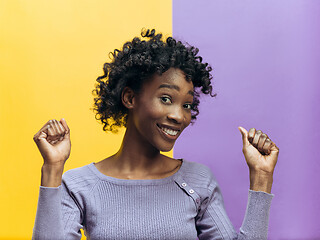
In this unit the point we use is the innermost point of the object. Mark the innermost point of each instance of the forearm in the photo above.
(48, 222)
(56, 209)
(51, 176)
(261, 181)
(256, 221)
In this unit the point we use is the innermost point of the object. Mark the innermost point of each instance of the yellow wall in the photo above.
(50, 55)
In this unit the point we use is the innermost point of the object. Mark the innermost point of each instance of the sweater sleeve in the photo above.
(58, 215)
(213, 223)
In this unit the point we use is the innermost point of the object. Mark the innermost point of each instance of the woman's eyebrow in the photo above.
(174, 87)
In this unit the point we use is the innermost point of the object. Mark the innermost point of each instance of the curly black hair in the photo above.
(139, 60)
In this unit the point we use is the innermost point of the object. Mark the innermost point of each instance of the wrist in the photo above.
(261, 181)
(51, 175)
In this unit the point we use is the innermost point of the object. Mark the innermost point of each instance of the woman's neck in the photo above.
(136, 155)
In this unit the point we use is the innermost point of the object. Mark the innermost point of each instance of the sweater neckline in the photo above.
(121, 181)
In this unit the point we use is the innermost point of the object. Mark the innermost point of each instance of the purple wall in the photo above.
(265, 56)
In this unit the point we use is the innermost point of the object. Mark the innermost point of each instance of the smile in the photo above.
(169, 132)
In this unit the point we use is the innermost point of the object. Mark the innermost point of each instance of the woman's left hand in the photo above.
(260, 152)
(261, 155)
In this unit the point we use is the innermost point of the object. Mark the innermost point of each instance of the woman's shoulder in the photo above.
(197, 168)
(80, 178)
(198, 174)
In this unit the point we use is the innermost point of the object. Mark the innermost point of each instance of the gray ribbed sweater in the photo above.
(185, 205)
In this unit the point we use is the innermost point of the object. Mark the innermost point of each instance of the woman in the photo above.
(151, 87)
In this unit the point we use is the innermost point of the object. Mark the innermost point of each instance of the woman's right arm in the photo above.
(55, 204)
(53, 141)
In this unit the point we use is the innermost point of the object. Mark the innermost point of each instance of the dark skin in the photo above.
(157, 104)
(156, 118)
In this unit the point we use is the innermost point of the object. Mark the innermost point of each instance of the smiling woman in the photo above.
(136, 64)
(162, 109)
(151, 87)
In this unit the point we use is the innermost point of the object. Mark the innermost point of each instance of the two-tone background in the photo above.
(265, 56)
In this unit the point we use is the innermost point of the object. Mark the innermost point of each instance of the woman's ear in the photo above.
(127, 97)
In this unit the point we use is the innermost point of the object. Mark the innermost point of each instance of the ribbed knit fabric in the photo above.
(185, 205)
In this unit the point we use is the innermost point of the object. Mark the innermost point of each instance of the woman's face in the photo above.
(162, 109)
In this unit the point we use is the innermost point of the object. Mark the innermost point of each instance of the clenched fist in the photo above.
(53, 141)
(261, 155)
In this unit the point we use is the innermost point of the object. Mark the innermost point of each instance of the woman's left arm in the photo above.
(261, 155)
(213, 223)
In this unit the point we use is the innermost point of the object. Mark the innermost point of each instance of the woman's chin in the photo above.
(166, 148)
(163, 145)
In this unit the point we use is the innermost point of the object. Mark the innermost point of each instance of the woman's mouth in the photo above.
(168, 132)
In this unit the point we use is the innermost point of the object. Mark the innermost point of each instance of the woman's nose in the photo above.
(176, 114)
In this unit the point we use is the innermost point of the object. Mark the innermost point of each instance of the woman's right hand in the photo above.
(53, 141)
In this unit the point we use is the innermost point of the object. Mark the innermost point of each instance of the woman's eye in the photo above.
(187, 106)
(165, 99)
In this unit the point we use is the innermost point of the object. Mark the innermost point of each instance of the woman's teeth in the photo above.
(170, 131)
